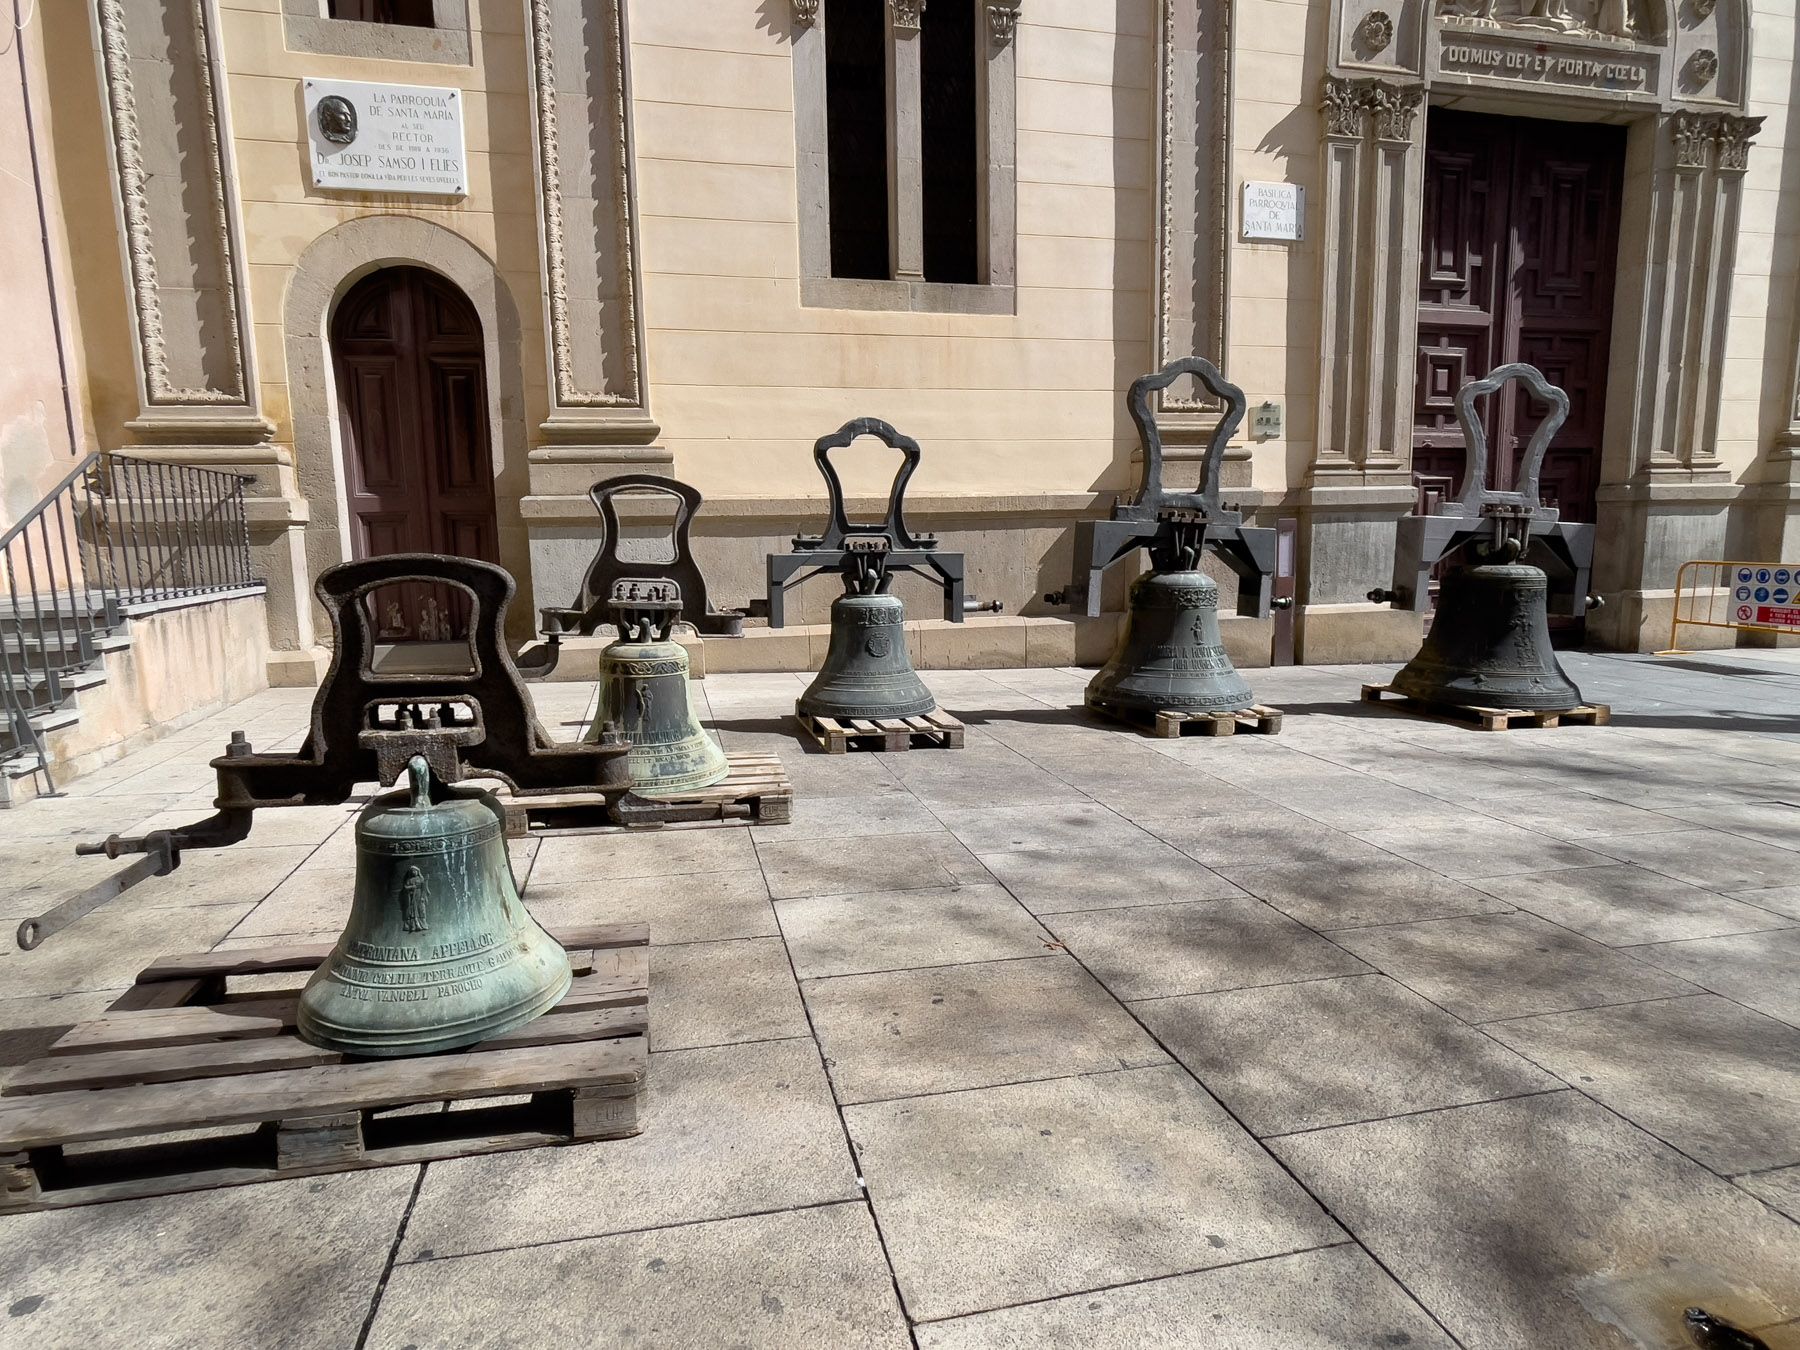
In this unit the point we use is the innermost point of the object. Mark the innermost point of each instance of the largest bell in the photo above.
(868, 671)
(439, 951)
(644, 693)
(1489, 644)
(1170, 658)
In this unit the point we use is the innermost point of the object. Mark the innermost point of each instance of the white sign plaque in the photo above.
(1273, 210)
(386, 137)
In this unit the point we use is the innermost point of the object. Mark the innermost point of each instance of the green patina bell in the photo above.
(644, 694)
(868, 670)
(440, 951)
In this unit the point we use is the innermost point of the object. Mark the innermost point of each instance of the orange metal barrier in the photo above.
(1757, 597)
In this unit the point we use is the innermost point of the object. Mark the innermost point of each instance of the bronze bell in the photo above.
(439, 951)
(868, 670)
(1170, 658)
(1489, 644)
(644, 693)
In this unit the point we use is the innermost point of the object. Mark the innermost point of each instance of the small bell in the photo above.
(1170, 657)
(644, 693)
(1489, 644)
(439, 951)
(867, 672)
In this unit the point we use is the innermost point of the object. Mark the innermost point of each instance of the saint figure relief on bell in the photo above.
(413, 916)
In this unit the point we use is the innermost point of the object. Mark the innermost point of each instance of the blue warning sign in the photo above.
(1743, 592)
(1781, 595)
(1763, 575)
(1783, 576)
(1762, 595)
(1745, 574)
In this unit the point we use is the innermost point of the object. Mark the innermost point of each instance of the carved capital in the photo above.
(1392, 108)
(806, 12)
(1734, 135)
(1693, 135)
(1003, 22)
(1342, 107)
(908, 14)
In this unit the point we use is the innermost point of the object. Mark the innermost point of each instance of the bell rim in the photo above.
(318, 1031)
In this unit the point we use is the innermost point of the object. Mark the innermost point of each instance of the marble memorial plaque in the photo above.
(386, 138)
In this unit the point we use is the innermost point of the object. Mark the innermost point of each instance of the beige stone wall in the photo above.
(37, 444)
(743, 378)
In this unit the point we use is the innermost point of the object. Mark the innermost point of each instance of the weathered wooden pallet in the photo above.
(181, 1051)
(837, 735)
(1166, 725)
(1492, 719)
(756, 790)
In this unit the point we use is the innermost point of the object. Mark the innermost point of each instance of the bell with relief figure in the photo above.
(439, 951)
(1170, 657)
(644, 694)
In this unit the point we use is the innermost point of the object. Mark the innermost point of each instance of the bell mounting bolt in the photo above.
(1177, 527)
(366, 726)
(596, 604)
(1496, 524)
(867, 554)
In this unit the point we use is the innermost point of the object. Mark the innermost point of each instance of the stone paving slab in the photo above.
(1358, 892)
(1079, 825)
(1008, 1194)
(811, 1277)
(948, 1028)
(1332, 1052)
(1327, 1299)
(1057, 880)
(1480, 847)
(1269, 837)
(732, 1130)
(1510, 1220)
(882, 863)
(1507, 965)
(1671, 1065)
(1755, 969)
(695, 907)
(1721, 862)
(286, 1263)
(1626, 905)
(1780, 1189)
(1154, 951)
(720, 993)
(896, 930)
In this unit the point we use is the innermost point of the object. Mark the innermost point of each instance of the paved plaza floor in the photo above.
(1377, 1033)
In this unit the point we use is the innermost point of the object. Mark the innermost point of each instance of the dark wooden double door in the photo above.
(1521, 229)
(413, 407)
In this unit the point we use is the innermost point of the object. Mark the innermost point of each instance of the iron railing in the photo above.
(117, 531)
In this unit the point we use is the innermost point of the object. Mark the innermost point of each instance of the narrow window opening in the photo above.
(856, 100)
(952, 180)
(406, 13)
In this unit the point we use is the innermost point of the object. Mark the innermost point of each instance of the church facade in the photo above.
(426, 270)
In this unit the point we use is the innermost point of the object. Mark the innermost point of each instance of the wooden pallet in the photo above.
(834, 736)
(181, 1051)
(756, 791)
(1492, 719)
(1166, 725)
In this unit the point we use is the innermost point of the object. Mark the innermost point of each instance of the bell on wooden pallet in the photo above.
(1489, 641)
(867, 673)
(1489, 644)
(644, 693)
(1170, 658)
(439, 951)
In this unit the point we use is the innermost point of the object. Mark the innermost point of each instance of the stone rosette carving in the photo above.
(1702, 67)
(1703, 9)
(908, 14)
(1003, 22)
(806, 13)
(1376, 32)
(1342, 107)
(160, 389)
(556, 266)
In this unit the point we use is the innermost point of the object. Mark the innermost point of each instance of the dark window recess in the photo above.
(409, 13)
(951, 143)
(856, 100)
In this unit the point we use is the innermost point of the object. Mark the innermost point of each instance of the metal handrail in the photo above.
(114, 532)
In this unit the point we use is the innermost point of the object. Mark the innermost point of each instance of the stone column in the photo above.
(999, 206)
(1665, 497)
(906, 171)
(599, 421)
(1360, 482)
(169, 133)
